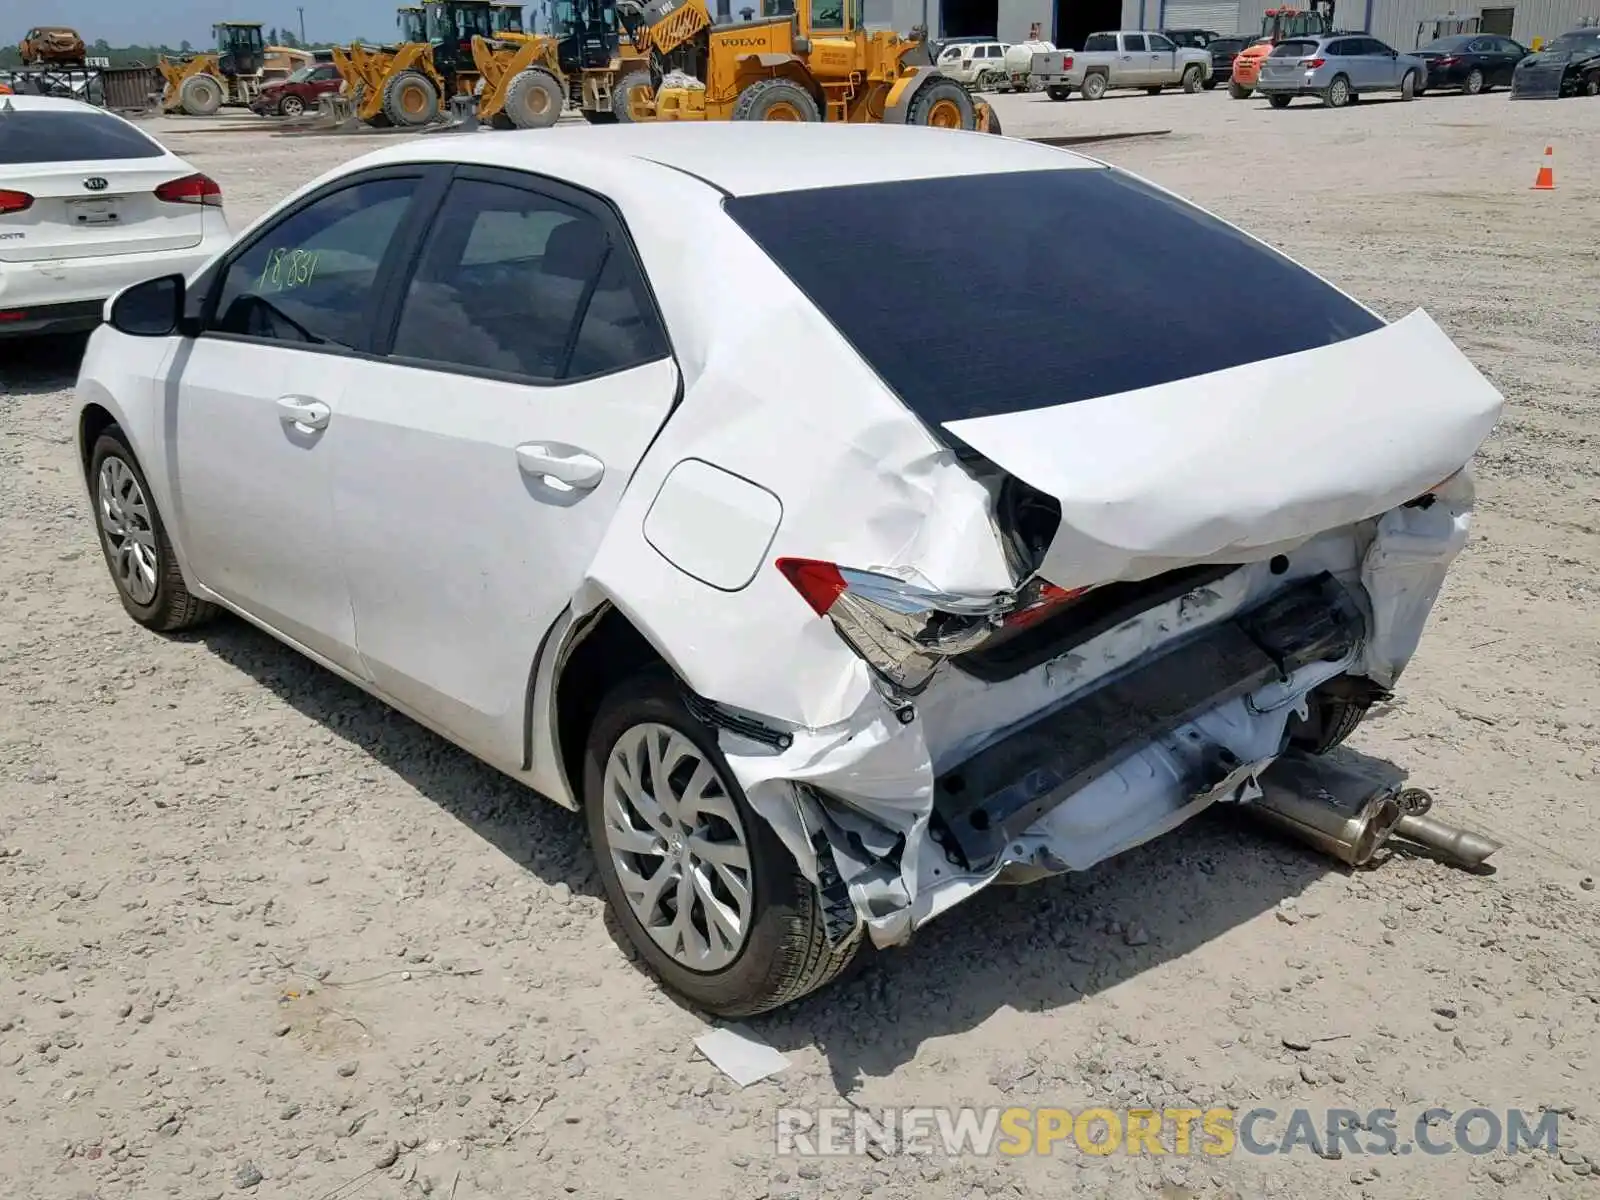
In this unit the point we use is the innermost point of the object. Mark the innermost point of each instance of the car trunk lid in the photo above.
(1228, 465)
(91, 209)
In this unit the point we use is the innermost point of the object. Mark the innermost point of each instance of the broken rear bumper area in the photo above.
(983, 803)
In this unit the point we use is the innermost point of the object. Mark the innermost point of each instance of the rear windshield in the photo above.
(1293, 49)
(1225, 45)
(36, 136)
(990, 294)
(1446, 45)
(1100, 41)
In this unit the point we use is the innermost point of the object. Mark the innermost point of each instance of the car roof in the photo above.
(750, 158)
(56, 103)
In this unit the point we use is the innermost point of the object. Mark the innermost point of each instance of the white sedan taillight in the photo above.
(905, 631)
(191, 189)
(11, 202)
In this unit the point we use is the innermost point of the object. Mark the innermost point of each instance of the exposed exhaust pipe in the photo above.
(1460, 846)
(1349, 813)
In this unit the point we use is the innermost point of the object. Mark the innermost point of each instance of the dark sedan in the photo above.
(1223, 51)
(1568, 66)
(1473, 62)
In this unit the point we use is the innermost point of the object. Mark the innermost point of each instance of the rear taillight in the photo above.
(11, 202)
(1043, 601)
(1066, 62)
(191, 189)
(1311, 64)
(902, 630)
(1448, 60)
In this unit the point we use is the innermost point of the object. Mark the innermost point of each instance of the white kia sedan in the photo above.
(842, 523)
(89, 203)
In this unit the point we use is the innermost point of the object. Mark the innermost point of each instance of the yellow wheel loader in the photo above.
(801, 60)
(409, 85)
(523, 84)
(229, 75)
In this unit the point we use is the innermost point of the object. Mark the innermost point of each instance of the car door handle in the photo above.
(304, 411)
(571, 466)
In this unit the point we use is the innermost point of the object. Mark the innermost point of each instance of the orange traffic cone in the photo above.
(1546, 179)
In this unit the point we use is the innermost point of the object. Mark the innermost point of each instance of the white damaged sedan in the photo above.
(840, 522)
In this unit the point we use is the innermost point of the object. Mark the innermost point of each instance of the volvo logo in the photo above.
(96, 184)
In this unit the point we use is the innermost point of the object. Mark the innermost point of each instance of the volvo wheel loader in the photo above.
(229, 75)
(800, 60)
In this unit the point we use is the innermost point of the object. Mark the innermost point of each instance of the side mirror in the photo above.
(153, 308)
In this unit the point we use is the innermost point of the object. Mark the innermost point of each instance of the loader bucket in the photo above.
(335, 113)
(463, 117)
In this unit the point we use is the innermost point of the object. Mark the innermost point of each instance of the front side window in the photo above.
(1157, 42)
(513, 282)
(310, 279)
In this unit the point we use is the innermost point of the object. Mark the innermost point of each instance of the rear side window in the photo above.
(1072, 284)
(56, 136)
(514, 282)
(1133, 41)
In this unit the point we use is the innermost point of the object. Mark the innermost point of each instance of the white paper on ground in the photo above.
(738, 1053)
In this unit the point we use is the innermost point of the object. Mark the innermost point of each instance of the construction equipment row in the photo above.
(610, 60)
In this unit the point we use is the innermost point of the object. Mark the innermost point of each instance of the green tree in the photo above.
(184, 47)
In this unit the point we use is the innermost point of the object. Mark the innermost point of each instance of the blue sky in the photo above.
(124, 22)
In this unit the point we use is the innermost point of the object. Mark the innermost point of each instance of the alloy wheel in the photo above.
(129, 534)
(679, 847)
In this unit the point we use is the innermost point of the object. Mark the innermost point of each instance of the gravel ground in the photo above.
(262, 936)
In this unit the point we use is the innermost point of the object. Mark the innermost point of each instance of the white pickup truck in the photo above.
(1125, 59)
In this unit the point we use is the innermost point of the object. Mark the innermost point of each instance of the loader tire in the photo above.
(410, 100)
(358, 98)
(534, 99)
(777, 100)
(631, 89)
(942, 104)
(200, 96)
(1238, 91)
(595, 117)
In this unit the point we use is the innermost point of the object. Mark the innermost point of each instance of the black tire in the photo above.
(1152, 91)
(1238, 91)
(534, 99)
(786, 953)
(1473, 83)
(596, 117)
(621, 108)
(1408, 86)
(1193, 80)
(410, 100)
(1209, 84)
(1279, 101)
(776, 100)
(1333, 711)
(172, 607)
(291, 106)
(1058, 93)
(200, 96)
(1591, 86)
(1337, 94)
(1094, 85)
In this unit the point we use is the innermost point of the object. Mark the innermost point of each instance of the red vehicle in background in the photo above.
(296, 95)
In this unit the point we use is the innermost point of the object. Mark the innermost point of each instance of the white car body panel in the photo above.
(438, 528)
(460, 580)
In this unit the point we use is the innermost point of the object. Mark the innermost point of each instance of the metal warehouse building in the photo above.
(1068, 22)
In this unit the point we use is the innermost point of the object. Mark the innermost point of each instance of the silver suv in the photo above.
(1338, 69)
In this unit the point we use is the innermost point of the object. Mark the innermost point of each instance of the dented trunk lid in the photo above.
(1231, 464)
